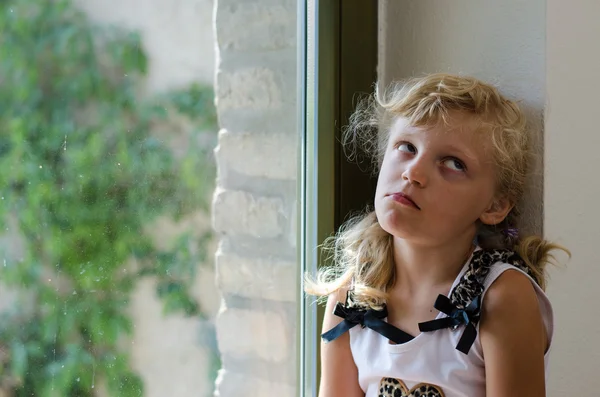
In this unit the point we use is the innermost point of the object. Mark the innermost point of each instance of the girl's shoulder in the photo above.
(487, 271)
(515, 332)
(481, 271)
(514, 308)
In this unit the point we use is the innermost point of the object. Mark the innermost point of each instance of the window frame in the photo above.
(337, 61)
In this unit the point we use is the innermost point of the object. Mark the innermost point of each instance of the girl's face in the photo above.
(436, 182)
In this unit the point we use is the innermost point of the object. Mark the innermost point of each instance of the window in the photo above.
(340, 62)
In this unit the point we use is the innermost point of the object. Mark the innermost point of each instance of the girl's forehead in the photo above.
(454, 129)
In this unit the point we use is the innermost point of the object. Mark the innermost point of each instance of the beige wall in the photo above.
(572, 188)
(177, 34)
(545, 52)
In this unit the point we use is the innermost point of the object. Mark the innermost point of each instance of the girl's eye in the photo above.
(407, 147)
(455, 165)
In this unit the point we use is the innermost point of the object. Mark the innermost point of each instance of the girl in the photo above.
(436, 293)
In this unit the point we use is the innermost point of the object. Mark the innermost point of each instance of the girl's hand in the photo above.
(513, 338)
(339, 375)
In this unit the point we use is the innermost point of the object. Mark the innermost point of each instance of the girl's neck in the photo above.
(419, 266)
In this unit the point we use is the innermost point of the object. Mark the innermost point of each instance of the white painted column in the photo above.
(572, 190)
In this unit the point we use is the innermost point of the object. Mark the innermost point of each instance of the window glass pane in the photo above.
(308, 314)
(137, 260)
(318, 167)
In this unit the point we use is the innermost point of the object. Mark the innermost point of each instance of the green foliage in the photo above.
(83, 176)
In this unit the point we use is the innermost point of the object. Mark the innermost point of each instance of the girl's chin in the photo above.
(399, 229)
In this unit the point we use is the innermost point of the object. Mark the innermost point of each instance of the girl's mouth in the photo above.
(404, 199)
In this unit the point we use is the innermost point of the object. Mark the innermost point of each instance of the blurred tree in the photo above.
(81, 177)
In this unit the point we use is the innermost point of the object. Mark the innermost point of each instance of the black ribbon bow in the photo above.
(370, 318)
(457, 316)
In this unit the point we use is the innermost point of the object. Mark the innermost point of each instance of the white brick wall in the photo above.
(233, 384)
(277, 159)
(266, 26)
(250, 88)
(254, 203)
(262, 277)
(237, 212)
(248, 333)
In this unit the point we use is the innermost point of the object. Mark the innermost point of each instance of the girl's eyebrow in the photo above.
(458, 150)
(414, 132)
(469, 154)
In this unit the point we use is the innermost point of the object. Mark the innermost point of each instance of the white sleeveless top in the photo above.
(430, 361)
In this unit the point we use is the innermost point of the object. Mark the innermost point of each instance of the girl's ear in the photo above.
(497, 211)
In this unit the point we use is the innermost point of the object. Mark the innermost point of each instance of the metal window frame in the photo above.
(337, 54)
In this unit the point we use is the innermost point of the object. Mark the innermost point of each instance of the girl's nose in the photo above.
(416, 173)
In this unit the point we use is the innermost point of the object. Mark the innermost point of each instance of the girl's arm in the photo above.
(339, 375)
(513, 338)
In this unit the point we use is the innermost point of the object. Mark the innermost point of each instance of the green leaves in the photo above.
(126, 51)
(196, 102)
(86, 166)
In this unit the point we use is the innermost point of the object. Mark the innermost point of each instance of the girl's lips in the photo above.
(404, 199)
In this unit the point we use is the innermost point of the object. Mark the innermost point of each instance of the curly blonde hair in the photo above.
(361, 251)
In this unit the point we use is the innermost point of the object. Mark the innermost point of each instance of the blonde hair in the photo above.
(361, 251)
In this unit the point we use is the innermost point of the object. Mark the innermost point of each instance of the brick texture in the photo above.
(254, 206)
(236, 212)
(262, 278)
(256, 26)
(273, 155)
(254, 333)
(235, 384)
(249, 88)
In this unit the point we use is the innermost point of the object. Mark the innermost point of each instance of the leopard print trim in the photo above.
(390, 387)
(471, 284)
